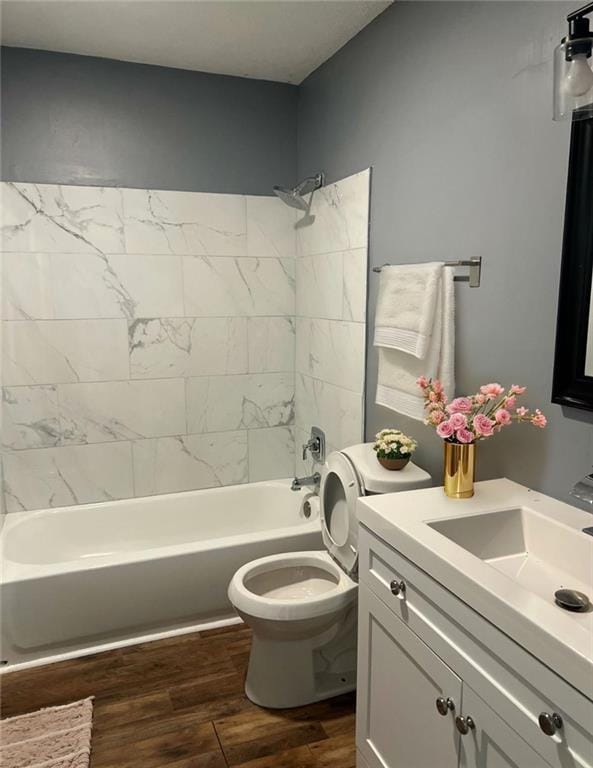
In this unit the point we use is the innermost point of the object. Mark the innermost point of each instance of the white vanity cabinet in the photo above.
(398, 724)
(441, 687)
(491, 743)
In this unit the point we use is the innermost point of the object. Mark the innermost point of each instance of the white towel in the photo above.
(398, 371)
(406, 303)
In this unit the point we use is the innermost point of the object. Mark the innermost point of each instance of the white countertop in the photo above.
(562, 640)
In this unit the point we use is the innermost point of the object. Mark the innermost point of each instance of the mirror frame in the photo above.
(570, 385)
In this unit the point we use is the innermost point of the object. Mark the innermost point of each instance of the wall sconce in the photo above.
(573, 76)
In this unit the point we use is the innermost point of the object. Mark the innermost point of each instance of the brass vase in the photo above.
(460, 470)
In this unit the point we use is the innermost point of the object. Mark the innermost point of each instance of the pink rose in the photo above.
(491, 390)
(517, 390)
(422, 382)
(480, 399)
(437, 386)
(464, 436)
(510, 402)
(445, 429)
(539, 420)
(458, 421)
(460, 405)
(483, 425)
(522, 412)
(436, 417)
(502, 416)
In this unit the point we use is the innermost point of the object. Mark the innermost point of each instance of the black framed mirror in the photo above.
(573, 364)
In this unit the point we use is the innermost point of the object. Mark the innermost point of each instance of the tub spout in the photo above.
(299, 482)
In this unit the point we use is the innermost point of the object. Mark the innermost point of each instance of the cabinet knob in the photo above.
(550, 723)
(445, 705)
(464, 724)
(397, 587)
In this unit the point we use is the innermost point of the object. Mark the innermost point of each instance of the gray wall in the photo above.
(81, 120)
(450, 103)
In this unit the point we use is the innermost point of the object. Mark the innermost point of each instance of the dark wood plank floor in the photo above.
(180, 703)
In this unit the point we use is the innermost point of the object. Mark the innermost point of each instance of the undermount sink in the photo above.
(537, 552)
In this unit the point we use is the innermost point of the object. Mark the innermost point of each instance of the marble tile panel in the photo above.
(320, 290)
(271, 453)
(191, 462)
(337, 411)
(271, 344)
(57, 477)
(130, 286)
(173, 347)
(218, 403)
(184, 223)
(215, 287)
(332, 350)
(355, 285)
(270, 228)
(338, 218)
(30, 417)
(58, 351)
(121, 410)
(52, 218)
(26, 286)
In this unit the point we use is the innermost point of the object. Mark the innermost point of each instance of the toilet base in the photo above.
(292, 673)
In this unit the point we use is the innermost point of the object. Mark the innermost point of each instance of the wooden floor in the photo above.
(180, 703)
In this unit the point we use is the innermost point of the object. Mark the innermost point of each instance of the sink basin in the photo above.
(505, 552)
(536, 551)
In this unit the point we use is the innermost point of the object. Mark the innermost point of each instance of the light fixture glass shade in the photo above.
(573, 80)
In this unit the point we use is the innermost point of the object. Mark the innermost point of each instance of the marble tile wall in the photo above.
(148, 342)
(331, 299)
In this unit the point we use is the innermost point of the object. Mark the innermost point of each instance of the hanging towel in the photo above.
(406, 304)
(398, 371)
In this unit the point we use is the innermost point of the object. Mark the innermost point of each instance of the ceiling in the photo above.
(282, 40)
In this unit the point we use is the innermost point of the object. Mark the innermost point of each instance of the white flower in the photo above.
(394, 442)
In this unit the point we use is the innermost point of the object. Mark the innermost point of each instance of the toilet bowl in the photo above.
(302, 606)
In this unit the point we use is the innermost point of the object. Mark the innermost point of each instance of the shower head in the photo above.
(295, 197)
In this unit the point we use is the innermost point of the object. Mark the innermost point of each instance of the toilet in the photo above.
(302, 606)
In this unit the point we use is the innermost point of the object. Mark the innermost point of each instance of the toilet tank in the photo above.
(376, 479)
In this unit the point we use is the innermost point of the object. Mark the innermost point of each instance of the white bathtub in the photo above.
(81, 579)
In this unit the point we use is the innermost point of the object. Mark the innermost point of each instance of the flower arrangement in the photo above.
(475, 417)
(393, 448)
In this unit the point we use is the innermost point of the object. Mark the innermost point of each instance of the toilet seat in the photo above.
(304, 585)
(322, 598)
(301, 606)
(340, 488)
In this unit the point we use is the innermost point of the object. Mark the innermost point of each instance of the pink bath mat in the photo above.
(56, 737)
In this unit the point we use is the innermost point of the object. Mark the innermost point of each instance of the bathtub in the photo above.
(78, 580)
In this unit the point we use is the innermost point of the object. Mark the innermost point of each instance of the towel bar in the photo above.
(475, 270)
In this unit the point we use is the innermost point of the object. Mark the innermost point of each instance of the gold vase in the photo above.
(460, 470)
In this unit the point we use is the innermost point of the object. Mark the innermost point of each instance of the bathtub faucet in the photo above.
(299, 482)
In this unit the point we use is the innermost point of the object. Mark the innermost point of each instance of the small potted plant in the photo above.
(393, 448)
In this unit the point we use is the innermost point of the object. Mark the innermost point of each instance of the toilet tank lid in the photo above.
(377, 479)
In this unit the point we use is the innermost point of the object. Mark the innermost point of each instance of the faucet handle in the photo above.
(315, 445)
(583, 490)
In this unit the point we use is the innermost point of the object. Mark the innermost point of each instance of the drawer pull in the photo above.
(444, 706)
(397, 587)
(550, 723)
(464, 724)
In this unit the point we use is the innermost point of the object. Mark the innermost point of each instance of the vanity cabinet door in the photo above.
(399, 681)
(491, 743)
